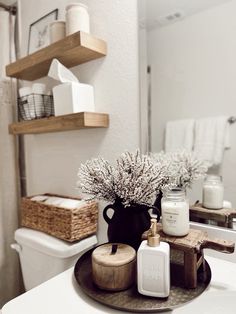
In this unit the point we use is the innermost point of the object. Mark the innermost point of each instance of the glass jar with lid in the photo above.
(77, 18)
(175, 212)
(213, 192)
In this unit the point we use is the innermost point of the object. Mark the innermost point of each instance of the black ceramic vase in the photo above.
(127, 224)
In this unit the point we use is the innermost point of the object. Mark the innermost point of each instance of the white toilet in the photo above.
(43, 256)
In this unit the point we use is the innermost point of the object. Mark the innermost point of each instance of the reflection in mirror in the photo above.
(188, 74)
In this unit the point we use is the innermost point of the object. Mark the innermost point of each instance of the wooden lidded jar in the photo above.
(114, 266)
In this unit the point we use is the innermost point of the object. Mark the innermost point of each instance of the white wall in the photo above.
(52, 160)
(194, 75)
(143, 84)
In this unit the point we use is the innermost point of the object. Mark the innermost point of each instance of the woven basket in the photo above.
(67, 224)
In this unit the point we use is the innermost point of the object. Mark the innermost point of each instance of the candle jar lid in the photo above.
(123, 254)
(71, 5)
(58, 22)
(174, 194)
(213, 179)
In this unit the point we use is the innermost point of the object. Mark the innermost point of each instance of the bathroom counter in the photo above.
(61, 295)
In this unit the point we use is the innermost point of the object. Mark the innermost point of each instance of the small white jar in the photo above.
(175, 213)
(57, 30)
(213, 192)
(77, 18)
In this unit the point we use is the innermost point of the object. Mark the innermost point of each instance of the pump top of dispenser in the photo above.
(153, 236)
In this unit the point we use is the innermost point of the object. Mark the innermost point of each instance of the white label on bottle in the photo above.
(153, 274)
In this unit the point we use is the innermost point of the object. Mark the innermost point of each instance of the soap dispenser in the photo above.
(153, 265)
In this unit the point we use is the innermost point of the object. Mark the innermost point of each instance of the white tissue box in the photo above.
(73, 97)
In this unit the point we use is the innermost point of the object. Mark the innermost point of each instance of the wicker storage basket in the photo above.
(67, 224)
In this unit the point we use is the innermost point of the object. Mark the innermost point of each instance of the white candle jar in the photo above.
(175, 212)
(77, 18)
(213, 192)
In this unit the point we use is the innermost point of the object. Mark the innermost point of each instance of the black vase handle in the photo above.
(105, 216)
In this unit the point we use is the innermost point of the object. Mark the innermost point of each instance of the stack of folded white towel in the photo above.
(59, 201)
(207, 137)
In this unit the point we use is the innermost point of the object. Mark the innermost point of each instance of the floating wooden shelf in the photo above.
(81, 120)
(72, 50)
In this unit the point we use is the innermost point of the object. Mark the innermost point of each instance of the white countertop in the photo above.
(62, 295)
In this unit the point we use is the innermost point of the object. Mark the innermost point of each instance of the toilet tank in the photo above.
(43, 256)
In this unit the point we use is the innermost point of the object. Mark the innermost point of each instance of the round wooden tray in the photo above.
(130, 300)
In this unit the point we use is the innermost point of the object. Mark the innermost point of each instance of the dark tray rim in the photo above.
(91, 294)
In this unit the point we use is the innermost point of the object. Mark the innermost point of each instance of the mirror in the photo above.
(188, 71)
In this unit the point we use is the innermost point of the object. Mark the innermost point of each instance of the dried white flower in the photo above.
(96, 177)
(181, 168)
(135, 179)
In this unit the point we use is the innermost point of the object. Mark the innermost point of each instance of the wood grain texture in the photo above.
(223, 217)
(72, 50)
(190, 270)
(75, 121)
(103, 255)
(114, 272)
(194, 241)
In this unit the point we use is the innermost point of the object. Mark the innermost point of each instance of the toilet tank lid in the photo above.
(52, 246)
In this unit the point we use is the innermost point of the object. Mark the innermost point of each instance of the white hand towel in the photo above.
(72, 204)
(39, 198)
(211, 139)
(179, 135)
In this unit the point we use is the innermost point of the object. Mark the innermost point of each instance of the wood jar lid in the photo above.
(103, 254)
